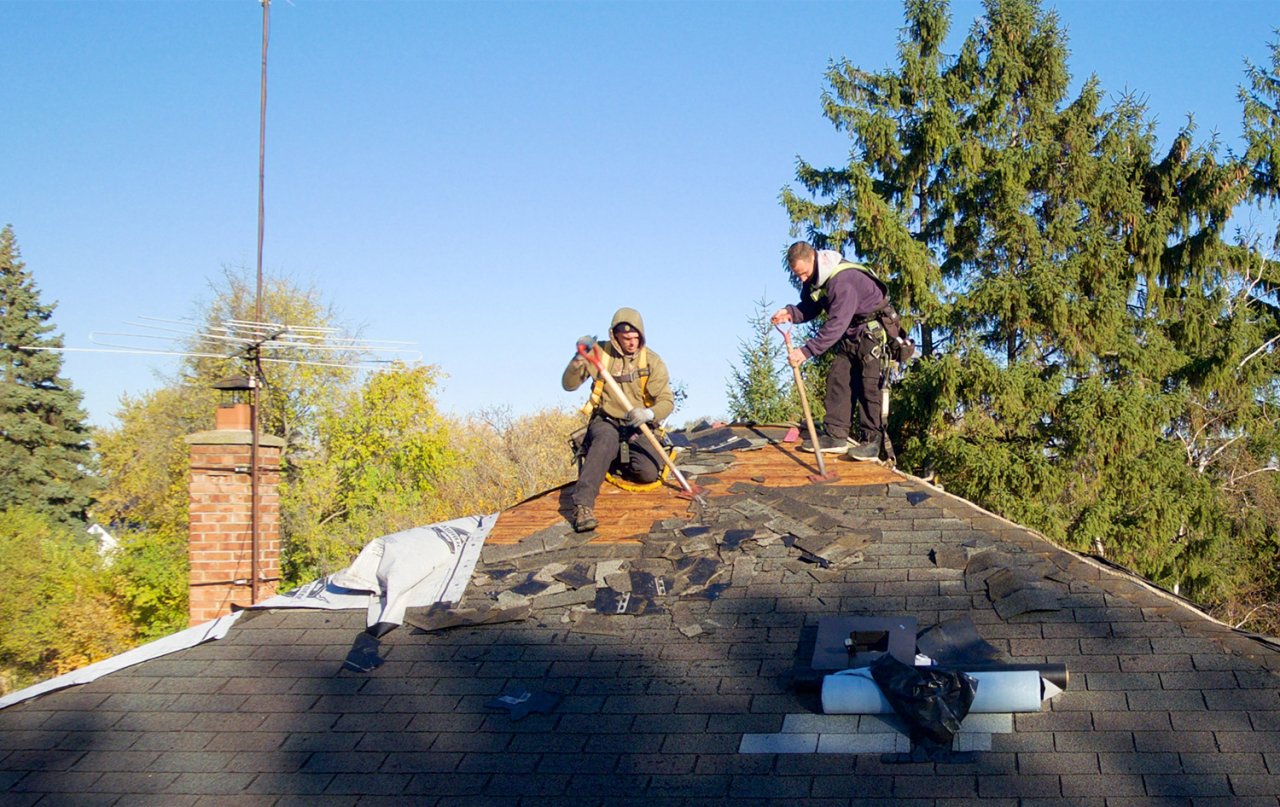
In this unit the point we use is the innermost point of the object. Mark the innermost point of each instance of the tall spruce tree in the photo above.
(44, 443)
(890, 205)
(1106, 364)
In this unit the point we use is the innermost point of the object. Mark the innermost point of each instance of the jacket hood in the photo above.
(828, 260)
(631, 317)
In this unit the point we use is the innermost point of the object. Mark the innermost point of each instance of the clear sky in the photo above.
(489, 180)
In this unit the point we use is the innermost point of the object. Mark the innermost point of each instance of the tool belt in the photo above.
(898, 347)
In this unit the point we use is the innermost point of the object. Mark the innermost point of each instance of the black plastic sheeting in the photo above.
(957, 642)
(363, 656)
(930, 701)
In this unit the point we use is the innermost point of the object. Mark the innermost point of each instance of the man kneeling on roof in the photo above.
(613, 440)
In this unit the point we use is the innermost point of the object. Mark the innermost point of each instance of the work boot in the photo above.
(826, 444)
(583, 519)
(865, 452)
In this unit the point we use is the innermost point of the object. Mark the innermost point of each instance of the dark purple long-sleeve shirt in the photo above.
(849, 294)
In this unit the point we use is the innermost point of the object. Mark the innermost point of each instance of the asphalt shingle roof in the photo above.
(694, 694)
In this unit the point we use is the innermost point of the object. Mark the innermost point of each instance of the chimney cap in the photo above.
(235, 383)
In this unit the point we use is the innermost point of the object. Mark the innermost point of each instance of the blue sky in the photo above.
(489, 180)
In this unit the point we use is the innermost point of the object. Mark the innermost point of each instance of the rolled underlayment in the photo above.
(853, 692)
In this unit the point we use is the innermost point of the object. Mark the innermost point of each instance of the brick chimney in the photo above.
(220, 538)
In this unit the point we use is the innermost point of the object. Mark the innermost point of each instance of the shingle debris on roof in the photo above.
(667, 647)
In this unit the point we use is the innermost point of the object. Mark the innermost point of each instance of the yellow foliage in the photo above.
(506, 460)
(293, 393)
(58, 613)
(383, 451)
(387, 441)
(392, 463)
(90, 628)
(144, 460)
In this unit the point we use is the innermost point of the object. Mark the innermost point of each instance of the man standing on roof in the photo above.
(851, 297)
(613, 440)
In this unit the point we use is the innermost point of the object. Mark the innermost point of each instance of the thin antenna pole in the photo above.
(254, 526)
(262, 154)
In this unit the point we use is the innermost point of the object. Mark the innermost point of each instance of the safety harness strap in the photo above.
(641, 372)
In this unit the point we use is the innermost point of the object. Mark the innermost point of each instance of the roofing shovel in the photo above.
(823, 475)
(689, 492)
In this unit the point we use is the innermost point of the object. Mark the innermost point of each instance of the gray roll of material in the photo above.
(1007, 691)
(853, 692)
(1053, 673)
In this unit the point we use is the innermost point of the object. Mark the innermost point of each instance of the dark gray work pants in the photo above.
(603, 440)
(856, 378)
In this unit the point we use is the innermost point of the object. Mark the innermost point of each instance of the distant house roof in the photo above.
(669, 658)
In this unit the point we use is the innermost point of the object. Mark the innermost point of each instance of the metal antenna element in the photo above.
(270, 342)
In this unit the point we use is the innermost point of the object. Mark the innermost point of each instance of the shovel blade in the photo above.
(693, 493)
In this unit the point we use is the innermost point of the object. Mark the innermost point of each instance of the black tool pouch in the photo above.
(900, 347)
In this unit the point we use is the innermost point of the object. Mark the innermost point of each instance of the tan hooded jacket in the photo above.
(625, 370)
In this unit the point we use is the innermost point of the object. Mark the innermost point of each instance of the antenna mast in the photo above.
(256, 343)
(256, 378)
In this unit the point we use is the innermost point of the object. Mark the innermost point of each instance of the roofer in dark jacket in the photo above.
(613, 440)
(850, 296)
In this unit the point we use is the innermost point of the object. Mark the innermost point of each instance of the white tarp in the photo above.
(172, 643)
(410, 569)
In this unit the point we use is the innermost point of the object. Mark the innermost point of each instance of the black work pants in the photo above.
(603, 441)
(856, 379)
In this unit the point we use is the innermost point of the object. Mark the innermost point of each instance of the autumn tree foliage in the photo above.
(1099, 342)
(381, 452)
(366, 454)
(59, 611)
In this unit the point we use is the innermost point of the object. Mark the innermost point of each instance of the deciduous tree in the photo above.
(383, 450)
(59, 611)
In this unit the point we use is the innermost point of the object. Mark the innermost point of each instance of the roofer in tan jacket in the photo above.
(613, 440)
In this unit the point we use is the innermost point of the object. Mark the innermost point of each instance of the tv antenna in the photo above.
(255, 342)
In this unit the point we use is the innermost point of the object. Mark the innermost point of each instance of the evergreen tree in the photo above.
(891, 204)
(1105, 365)
(757, 390)
(44, 443)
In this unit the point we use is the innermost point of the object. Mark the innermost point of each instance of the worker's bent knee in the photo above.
(645, 474)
